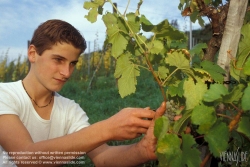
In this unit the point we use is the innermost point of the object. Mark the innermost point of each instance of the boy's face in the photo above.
(54, 67)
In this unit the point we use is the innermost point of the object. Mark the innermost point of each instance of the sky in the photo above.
(19, 19)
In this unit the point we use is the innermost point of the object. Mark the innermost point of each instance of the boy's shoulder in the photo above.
(10, 85)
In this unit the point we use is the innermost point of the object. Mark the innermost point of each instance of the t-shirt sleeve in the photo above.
(8, 104)
(78, 118)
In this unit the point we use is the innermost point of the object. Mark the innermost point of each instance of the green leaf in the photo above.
(246, 67)
(234, 95)
(244, 126)
(217, 138)
(191, 155)
(215, 93)
(127, 72)
(168, 150)
(194, 16)
(133, 22)
(173, 91)
(214, 70)
(177, 59)
(245, 99)
(203, 116)
(161, 126)
(163, 71)
(207, 2)
(193, 92)
(115, 35)
(243, 53)
(110, 20)
(181, 124)
(162, 30)
(94, 7)
(155, 46)
(92, 15)
(201, 21)
(198, 49)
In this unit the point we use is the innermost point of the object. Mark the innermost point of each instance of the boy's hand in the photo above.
(148, 144)
(129, 123)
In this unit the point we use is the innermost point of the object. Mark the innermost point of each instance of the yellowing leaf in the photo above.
(177, 59)
(126, 72)
(193, 92)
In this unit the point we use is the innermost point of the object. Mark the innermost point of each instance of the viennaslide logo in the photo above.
(234, 156)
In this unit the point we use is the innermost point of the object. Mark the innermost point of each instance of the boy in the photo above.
(36, 122)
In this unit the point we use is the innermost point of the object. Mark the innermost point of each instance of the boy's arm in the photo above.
(128, 155)
(126, 124)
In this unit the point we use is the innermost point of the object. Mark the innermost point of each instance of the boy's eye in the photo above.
(73, 63)
(58, 59)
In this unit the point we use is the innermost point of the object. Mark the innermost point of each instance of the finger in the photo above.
(177, 117)
(142, 130)
(143, 123)
(160, 111)
(144, 113)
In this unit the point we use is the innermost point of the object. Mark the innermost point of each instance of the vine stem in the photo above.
(126, 7)
(155, 77)
(205, 160)
(170, 76)
(236, 119)
(225, 116)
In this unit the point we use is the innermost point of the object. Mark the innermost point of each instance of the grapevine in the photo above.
(194, 109)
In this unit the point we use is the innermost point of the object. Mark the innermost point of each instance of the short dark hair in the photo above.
(53, 31)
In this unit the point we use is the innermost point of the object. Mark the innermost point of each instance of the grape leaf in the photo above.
(217, 138)
(244, 126)
(243, 52)
(245, 99)
(168, 150)
(177, 59)
(246, 67)
(162, 30)
(162, 72)
(214, 70)
(155, 46)
(181, 124)
(173, 91)
(203, 116)
(92, 15)
(194, 16)
(122, 25)
(215, 93)
(116, 36)
(207, 2)
(127, 72)
(93, 6)
(193, 92)
(198, 49)
(110, 20)
(133, 22)
(201, 21)
(192, 155)
(161, 126)
(234, 95)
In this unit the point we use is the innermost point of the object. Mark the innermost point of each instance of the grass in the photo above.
(103, 100)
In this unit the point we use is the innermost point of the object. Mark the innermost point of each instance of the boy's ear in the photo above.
(32, 53)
